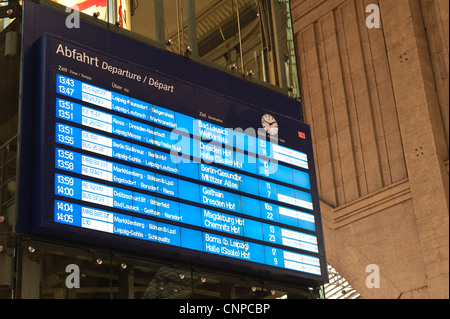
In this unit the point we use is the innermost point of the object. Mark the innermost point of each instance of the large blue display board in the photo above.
(131, 155)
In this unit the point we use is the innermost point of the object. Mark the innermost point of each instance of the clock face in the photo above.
(269, 124)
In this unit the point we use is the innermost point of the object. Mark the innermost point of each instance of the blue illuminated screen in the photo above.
(130, 168)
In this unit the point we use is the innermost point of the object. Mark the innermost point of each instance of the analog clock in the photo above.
(269, 124)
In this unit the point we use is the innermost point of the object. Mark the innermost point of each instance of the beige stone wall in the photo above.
(377, 102)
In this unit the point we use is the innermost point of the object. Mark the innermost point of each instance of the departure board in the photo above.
(135, 155)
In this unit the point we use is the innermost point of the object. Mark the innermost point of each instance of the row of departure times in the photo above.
(87, 217)
(152, 205)
(177, 144)
(244, 139)
(136, 153)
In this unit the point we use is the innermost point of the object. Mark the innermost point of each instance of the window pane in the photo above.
(253, 38)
